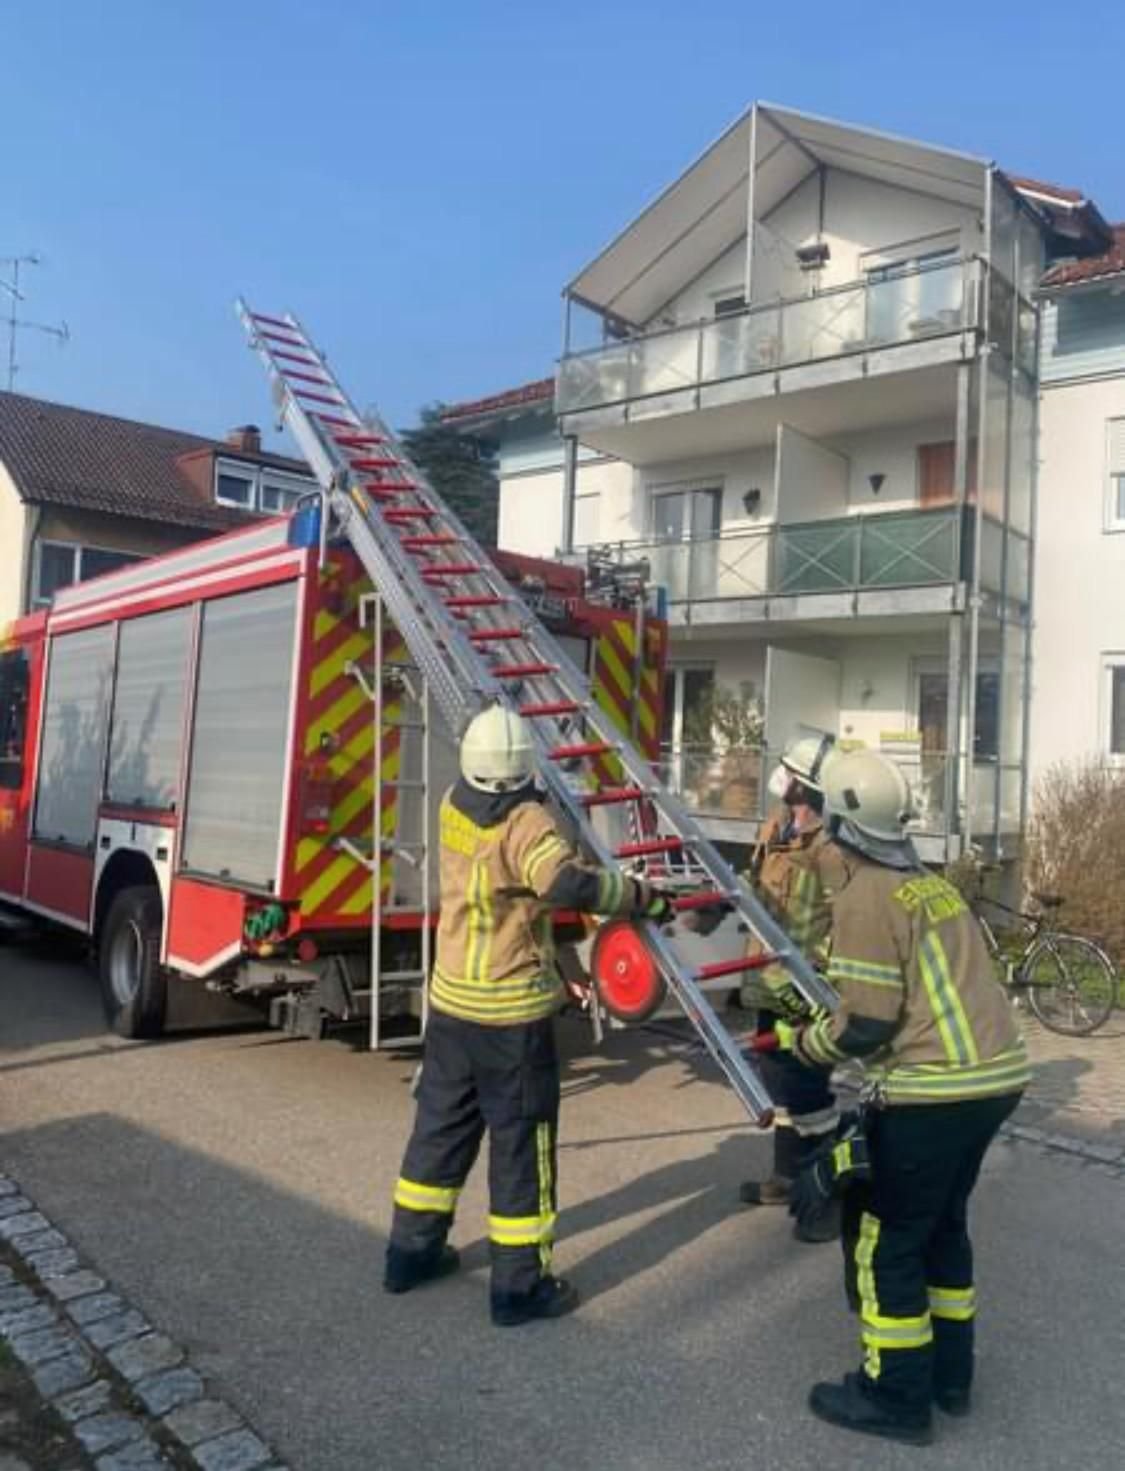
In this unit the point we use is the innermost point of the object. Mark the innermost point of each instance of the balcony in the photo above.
(847, 565)
(713, 362)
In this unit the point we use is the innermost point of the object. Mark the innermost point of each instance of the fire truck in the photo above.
(221, 763)
(199, 772)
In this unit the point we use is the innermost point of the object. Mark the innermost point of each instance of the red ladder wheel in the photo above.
(627, 978)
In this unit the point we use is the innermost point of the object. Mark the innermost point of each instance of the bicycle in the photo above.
(1068, 981)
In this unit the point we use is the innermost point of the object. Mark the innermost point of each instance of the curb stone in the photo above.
(125, 1390)
(1106, 1158)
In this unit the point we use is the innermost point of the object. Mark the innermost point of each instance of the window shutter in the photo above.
(1117, 446)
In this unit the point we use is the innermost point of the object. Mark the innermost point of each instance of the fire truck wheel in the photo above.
(628, 981)
(134, 989)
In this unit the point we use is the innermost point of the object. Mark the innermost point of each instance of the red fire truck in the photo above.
(191, 768)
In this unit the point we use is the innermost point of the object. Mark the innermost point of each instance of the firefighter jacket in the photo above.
(504, 865)
(795, 873)
(920, 1003)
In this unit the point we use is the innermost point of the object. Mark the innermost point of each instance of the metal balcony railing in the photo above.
(888, 307)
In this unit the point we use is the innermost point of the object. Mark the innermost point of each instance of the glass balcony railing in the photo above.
(896, 305)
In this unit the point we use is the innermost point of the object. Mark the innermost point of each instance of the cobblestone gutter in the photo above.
(125, 1389)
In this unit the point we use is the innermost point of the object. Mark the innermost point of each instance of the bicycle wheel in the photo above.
(1071, 984)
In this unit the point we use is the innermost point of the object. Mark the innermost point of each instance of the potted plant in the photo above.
(727, 730)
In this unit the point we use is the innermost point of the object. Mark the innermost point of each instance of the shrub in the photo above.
(1076, 848)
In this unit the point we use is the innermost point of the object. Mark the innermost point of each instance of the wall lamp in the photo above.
(752, 501)
(876, 482)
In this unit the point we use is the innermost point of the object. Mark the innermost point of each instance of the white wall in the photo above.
(1079, 574)
(725, 277)
(891, 452)
(12, 515)
(812, 480)
(531, 507)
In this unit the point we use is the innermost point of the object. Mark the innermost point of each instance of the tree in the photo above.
(460, 467)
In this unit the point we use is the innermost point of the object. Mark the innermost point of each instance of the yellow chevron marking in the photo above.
(333, 667)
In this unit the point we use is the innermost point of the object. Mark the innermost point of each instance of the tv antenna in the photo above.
(10, 283)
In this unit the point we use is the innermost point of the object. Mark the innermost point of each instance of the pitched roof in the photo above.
(63, 456)
(1094, 268)
(1057, 192)
(541, 391)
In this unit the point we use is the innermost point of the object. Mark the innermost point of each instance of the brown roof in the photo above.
(70, 457)
(1094, 268)
(541, 391)
(1051, 191)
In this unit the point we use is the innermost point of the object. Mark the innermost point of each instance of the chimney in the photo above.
(247, 438)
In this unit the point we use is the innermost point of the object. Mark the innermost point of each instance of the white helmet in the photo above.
(807, 757)
(496, 751)
(868, 799)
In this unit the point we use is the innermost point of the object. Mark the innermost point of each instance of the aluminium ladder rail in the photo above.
(476, 642)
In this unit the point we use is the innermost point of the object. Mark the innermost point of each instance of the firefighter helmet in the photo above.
(867, 799)
(496, 751)
(806, 758)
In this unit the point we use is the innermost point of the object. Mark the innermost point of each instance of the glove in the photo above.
(834, 1166)
(655, 904)
(786, 1034)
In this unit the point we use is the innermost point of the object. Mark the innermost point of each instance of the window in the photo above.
(59, 565)
(1113, 718)
(13, 718)
(258, 488)
(727, 306)
(1115, 463)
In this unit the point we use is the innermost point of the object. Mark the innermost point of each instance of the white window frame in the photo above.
(1109, 664)
(1114, 478)
(41, 600)
(262, 478)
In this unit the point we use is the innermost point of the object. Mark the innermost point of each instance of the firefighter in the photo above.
(793, 869)
(920, 1004)
(489, 1061)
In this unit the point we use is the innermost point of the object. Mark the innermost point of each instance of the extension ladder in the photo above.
(475, 642)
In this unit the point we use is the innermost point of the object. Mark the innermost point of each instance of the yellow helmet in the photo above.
(497, 754)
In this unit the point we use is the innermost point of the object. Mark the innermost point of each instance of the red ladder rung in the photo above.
(430, 539)
(334, 419)
(519, 671)
(400, 485)
(467, 599)
(549, 707)
(379, 492)
(374, 462)
(272, 321)
(578, 752)
(291, 357)
(316, 398)
(453, 569)
(288, 341)
(612, 794)
(491, 635)
(649, 845)
(733, 967)
(357, 441)
(289, 373)
(705, 899)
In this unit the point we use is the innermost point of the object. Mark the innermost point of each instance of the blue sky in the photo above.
(418, 180)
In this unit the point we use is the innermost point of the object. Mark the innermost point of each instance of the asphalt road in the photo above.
(236, 1185)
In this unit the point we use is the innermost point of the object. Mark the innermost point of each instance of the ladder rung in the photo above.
(398, 486)
(649, 845)
(733, 967)
(272, 321)
(316, 398)
(550, 707)
(429, 539)
(454, 569)
(613, 794)
(292, 357)
(395, 975)
(288, 373)
(495, 635)
(335, 419)
(402, 514)
(288, 341)
(703, 900)
(575, 753)
(522, 671)
(378, 491)
(357, 441)
(470, 599)
(406, 784)
(374, 462)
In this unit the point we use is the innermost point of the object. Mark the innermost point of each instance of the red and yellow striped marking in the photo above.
(613, 684)
(341, 727)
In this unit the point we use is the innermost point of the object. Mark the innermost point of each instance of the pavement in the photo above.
(235, 1186)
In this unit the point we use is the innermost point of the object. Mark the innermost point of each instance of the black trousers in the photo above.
(474, 1078)
(908, 1257)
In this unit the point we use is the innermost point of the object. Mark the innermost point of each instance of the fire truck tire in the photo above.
(134, 987)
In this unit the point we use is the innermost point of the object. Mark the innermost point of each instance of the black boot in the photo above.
(851, 1406)
(405, 1270)
(956, 1402)
(551, 1297)
(775, 1190)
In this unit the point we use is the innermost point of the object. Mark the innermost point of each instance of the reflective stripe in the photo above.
(945, 1003)
(812, 1125)
(899, 1338)
(1007, 1072)
(867, 973)
(802, 909)
(865, 1245)
(818, 1044)
(611, 891)
(548, 846)
(498, 1002)
(546, 1213)
(842, 1157)
(522, 1230)
(412, 1195)
(955, 1304)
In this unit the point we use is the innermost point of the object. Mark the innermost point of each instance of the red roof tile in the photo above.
(541, 391)
(63, 456)
(1094, 267)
